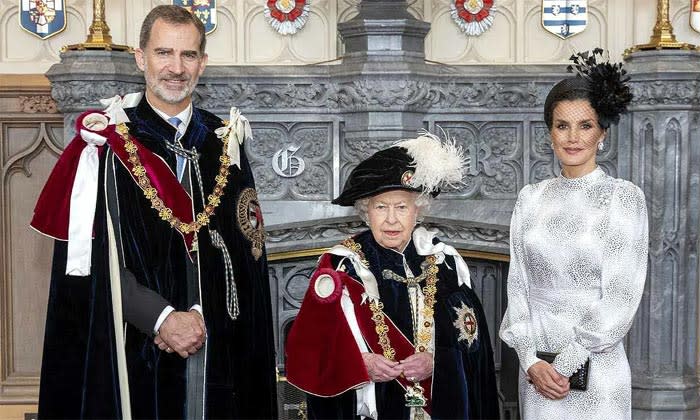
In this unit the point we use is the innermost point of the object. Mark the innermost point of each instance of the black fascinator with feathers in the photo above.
(603, 83)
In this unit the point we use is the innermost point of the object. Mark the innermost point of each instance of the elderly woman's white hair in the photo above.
(423, 203)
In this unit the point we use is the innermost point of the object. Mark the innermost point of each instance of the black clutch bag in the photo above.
(579, 380)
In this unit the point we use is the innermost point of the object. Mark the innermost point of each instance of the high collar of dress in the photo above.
(583, 181)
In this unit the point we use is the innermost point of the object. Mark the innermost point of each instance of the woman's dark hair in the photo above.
(569, 89)
(602, 84)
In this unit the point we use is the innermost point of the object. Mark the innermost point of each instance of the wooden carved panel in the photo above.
(29, 146)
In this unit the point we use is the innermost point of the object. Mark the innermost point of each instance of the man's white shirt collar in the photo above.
(185, 116)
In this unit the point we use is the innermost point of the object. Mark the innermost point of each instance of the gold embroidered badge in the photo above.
(250, 220)
(466, 324)
(406, 178)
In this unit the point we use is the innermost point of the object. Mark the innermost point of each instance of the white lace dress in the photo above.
(578, 265)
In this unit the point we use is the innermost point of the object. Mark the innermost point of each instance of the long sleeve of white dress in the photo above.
(625, 248)
(577, 272)
(516, 328)
(577, 268)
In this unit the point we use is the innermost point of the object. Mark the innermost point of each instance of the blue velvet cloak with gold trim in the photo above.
(79, 369)
(464, 380)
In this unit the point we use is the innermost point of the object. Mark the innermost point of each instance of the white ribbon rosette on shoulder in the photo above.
(114, 106)
(237, 129)
(84, 192)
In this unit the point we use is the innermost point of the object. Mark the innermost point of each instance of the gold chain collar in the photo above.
(165, 212)
(424, 335)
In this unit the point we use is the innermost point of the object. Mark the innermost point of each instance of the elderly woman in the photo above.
(389, 327)
(578, 260)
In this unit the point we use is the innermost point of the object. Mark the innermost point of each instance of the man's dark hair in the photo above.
(174, 15)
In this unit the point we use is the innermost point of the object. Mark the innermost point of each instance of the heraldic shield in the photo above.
(42, 18)
(205, 10)
(695, 14)
(564, 18)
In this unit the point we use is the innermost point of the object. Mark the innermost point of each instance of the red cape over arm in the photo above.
(322, 355)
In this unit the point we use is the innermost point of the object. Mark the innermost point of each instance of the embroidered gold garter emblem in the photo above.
(466, 324)
(406, 178)
(250, 220)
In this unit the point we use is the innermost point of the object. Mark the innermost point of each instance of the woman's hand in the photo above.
(379, 368)
(417, 366)
(547, 381)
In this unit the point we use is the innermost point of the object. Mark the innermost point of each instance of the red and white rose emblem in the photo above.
(474, 17)
(287, 16)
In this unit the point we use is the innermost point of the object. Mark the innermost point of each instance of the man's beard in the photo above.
(169, 96)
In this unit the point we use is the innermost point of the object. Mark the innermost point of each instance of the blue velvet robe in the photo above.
(464, 381)
(79, 375)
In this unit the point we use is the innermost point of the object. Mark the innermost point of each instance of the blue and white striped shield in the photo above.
(695, 14)
(564, 18)
(205, 10)
(43, 18)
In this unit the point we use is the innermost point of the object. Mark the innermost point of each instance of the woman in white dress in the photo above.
(578, 251)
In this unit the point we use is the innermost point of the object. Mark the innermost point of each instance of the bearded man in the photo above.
(163, 310)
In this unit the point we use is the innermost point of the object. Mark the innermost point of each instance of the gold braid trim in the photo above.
(422, 339)
(381, 329)
(166, 213)
(357, 249)
(429, 290)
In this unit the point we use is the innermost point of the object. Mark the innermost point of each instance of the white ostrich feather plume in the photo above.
(438, 164)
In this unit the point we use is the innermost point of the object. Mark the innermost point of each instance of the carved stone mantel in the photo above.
(493, 111)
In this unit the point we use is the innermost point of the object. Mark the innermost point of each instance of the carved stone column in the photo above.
(82, 78)
(663, 158)
(384, 31)
(384, 54)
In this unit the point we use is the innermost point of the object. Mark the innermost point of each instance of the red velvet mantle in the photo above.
(322, 356)
(52, 211)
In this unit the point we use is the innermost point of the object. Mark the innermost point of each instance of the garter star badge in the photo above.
(205, 10)
(287, 16)
(42, 18)
(695, 14)
(250, 220)
(466, 324)
(564, 18)
(473, 17)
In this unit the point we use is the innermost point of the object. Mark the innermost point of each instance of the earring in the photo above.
(601, 146)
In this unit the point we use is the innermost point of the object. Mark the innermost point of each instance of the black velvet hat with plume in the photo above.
(604, 84)
(424, 164)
